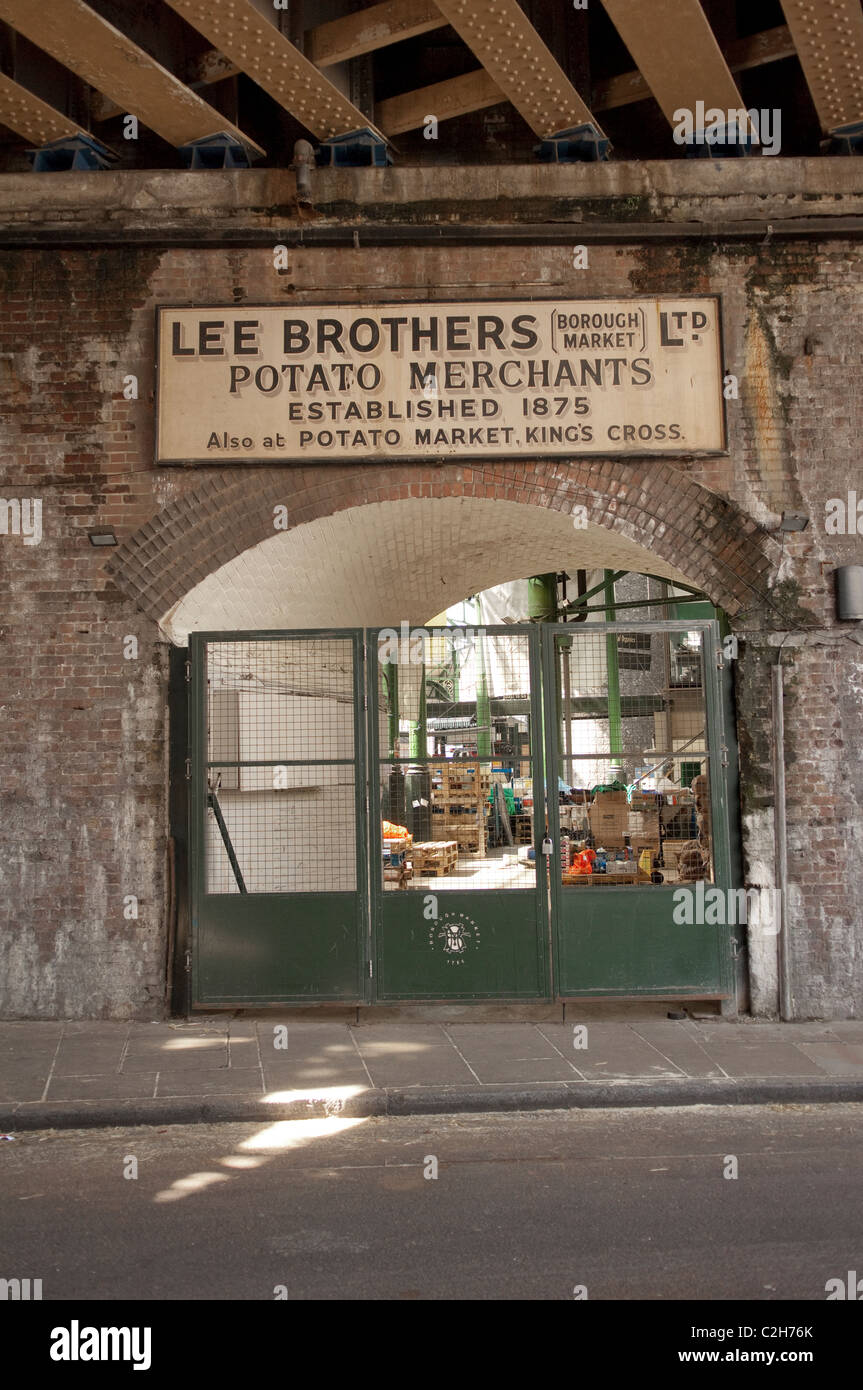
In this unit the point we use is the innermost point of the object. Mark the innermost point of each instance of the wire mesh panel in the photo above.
(280, 779)
(457, 779)
(633, 766)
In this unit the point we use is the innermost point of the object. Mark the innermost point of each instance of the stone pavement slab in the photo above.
(750, 1057)
(317, 1056)
(838, 1059)
(501, 1052)
(115, 1086)
(204, 1054)
(683, 1049)
(411, 1054)
(230, 1081)
(23, 1080)
(82, 1056)
(613, 1052)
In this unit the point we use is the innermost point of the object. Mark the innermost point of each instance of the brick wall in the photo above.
(83, 732)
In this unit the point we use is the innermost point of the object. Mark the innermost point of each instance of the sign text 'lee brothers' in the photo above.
(513, 379)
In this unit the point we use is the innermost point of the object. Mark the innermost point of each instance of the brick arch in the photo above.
(700, 534)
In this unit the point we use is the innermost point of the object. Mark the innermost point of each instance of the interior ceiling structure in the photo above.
(390, 562)
(322, 69)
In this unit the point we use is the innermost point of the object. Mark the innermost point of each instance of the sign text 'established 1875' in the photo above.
(437, 380)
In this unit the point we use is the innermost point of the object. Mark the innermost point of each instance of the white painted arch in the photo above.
(385, 562)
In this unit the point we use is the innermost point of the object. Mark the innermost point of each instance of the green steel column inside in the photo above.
(615, 730)
(542, 598)
(542, 608)
(483, 704)
(391, 681)
(563, 667)
(419, 729)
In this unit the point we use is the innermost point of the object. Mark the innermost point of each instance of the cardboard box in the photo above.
(643, 823)
(609, 825)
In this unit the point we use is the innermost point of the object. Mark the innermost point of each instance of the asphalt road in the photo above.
(630, 1204)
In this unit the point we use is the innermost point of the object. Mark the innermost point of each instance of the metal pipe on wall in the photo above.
(780, 839)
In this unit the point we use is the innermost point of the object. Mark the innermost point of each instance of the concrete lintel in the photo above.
(728, 181)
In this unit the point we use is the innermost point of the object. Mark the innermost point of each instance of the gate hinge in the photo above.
(188, 769)
(720, 659)
(371, 968)
(188, 962)
(188, 665)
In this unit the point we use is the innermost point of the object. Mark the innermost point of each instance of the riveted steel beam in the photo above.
(374, 27)
(83, 41)
(443, 100)
(31, 117)
(212, 66)
(828, 35)
(501, 36)
(677, 53)
(753, 51)
(247, 38)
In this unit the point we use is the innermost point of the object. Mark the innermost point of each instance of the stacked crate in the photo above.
(397, 870)
(459, 794)
(434, 858)
(523, 829)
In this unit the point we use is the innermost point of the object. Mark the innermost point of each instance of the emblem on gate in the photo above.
(457, 934)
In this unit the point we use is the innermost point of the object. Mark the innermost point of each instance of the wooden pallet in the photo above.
(457, 797)
(400, 876)
(435, 857)
(471, 839)
(606, 880)
(460, 776)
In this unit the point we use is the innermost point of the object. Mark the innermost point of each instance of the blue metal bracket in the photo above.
(219, 151)
(72, 152)
(701, 148)
(847, 139)
(358, 149)
(578, 145)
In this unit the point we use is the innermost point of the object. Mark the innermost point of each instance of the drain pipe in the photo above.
(780, 837)
(302, 164)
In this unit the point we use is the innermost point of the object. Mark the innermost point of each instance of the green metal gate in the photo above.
(454, 711)
(278, 808)
(635, 706)
(457, 814)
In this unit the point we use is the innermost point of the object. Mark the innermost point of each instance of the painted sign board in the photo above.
(439, 380)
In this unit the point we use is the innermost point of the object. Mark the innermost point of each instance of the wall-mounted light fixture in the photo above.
(793, 521)
(102, 536)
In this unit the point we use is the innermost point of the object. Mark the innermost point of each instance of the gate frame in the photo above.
(718, 760)
(197, 774)
(378, 896)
